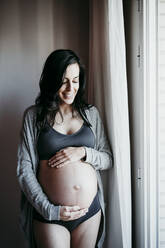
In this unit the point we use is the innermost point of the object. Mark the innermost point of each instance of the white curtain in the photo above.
(29, 31)
(107, 76)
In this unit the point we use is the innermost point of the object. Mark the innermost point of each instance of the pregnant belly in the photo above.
(73, 184)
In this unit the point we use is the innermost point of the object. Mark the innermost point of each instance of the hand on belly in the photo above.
(66, 156)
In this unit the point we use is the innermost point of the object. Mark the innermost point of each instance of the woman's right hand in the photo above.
(72, 212)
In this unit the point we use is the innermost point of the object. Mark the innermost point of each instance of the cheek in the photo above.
(62, 89)
(77, 88)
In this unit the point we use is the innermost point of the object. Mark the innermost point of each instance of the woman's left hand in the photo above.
(66, 156)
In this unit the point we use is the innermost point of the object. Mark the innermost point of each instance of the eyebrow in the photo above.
(74, 77)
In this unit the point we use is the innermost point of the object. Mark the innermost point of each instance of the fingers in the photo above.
(59, 159)
(78, 214)
(64, 157)
(71, 213)
(58, 163)
(74, 208)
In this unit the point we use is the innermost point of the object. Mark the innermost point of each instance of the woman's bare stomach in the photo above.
(72, 184)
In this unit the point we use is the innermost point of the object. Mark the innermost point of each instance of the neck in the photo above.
(66, 109)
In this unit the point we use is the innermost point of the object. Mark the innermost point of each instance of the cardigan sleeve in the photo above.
(101, 158)
(26, 177)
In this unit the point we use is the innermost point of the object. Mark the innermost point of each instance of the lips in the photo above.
(68, 95)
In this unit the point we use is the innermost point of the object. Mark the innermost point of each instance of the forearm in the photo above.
(100, 160)
(100, 157)
(26, 162)
(31, 188)
(83, 153)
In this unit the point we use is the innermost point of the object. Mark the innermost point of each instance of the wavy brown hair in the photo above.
(47, 102)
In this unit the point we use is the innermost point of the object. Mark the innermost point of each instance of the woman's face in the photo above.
(70, 85)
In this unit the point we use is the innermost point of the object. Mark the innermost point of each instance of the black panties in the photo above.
(72, 224)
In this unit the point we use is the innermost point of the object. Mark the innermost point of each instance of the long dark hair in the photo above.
(47, 102)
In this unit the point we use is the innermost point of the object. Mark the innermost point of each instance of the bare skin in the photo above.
(74, 184)
(56, 236)
(68, 181)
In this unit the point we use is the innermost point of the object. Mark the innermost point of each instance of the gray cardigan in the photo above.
(32, 195)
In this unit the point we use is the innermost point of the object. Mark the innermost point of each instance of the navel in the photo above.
(76, 187)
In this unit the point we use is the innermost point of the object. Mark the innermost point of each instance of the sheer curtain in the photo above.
(29, 31)
(108, 90)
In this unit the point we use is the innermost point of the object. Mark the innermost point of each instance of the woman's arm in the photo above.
(101, 157)
(26, 175)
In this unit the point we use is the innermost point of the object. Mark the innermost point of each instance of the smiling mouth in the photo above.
(68, 95)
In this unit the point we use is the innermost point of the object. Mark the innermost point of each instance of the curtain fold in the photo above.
(29, 31)
(108, 91)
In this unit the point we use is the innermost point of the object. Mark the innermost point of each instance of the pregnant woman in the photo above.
(62, 148)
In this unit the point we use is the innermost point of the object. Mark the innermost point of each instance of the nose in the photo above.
(69, 86)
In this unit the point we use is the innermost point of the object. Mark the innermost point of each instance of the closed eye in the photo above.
(75, 80)
(64, 82)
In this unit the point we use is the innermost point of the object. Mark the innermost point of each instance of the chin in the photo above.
(68, 101)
